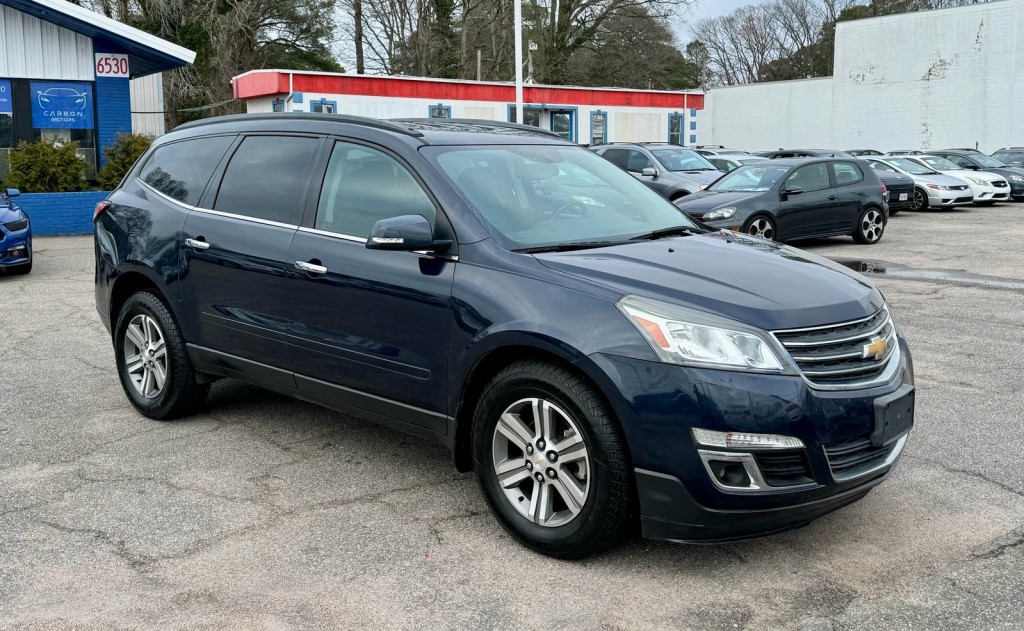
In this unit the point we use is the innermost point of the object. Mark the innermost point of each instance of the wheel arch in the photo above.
(491, 361)
(130, 282)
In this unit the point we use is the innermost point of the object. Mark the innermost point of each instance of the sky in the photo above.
(705, 9)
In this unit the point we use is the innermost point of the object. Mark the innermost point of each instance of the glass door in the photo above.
(562, 123)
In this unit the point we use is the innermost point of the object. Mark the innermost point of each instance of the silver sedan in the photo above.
(931, 188)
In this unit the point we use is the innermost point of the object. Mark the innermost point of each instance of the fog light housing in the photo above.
(744, 440)
(729, 473)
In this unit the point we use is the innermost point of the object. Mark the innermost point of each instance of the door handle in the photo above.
(197, 244)
(312, 268)
(832, 198)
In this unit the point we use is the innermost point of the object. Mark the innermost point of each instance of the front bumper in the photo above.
(679, 500)
(15, 247)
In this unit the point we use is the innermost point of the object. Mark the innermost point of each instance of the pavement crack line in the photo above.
(974, 474)
(1000, 546)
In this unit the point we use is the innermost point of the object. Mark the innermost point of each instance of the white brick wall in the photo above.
(949, 78)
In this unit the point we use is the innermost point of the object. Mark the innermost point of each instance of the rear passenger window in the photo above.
(181, 170)
(363, 186)
(847, 173)
(266, 177)
(813, 177)
(618, 157)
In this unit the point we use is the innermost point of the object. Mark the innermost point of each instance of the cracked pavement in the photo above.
(268, 512)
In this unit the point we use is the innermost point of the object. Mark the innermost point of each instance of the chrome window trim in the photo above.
(336, 235)
(266, 222)
(165, 196)
(889, 460)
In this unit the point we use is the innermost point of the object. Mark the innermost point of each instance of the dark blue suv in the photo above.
(591, 353)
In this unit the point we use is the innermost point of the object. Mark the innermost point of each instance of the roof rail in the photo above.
(479, 122)
(332, 118)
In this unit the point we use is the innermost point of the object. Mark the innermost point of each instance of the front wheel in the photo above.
(870, 227)
(760, 226)
(551, 462)
(152, 360)
(920, 200)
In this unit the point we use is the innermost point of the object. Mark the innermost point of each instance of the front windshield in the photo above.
(546, 195)
(911, 166)
(939, 164)
(750, 178)
(987, 161)
(682, 160)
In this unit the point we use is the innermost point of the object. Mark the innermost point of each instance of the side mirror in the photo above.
(12, 192)
(649, 172)
(796, 190)
(407, 233)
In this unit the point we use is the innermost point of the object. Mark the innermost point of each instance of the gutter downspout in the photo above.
(291, 91)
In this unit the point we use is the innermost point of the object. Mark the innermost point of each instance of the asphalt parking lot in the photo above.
(268, 512)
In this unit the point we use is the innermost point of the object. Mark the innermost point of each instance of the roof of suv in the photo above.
(448, 131)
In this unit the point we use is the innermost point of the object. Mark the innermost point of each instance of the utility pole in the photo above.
(517, 19)
(357, 17)
(478, 75)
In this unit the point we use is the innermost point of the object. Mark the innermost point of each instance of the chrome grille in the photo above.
(833, 355)
(1000, 184)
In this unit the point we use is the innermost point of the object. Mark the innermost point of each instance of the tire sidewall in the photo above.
(146, 303)
(771, 222)
(859, 233)
(924, 200)
(501, 394)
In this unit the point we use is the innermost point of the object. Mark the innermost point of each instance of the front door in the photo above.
(812, 211)
(372, 325)
(234, 254)
(562, 124)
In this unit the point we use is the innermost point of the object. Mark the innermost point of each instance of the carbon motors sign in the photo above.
(62, 105)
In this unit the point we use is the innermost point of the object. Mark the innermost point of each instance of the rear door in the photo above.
(235, 247)
(852, 191)
(812, 212)
(371, 325)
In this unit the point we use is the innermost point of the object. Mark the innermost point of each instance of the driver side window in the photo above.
(810, 178)
(638, 162)
(363, 186)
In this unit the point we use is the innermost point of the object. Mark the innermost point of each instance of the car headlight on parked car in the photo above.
(977, 181)
(1016, 178)
(940, 187)
(15, 226)
(694, 338)
(720, 213)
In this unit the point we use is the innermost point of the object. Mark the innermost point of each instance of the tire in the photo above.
(151, 322)
(920, 200)
(761, 226)
(870, 226)
(592, 467)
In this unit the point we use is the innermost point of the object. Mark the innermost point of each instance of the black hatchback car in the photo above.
(596, 357)
(796, 198)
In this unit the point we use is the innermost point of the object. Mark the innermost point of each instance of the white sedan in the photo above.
(988, 188)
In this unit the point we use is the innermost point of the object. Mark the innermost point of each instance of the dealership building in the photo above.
(71, 73)
(583, 115)
(924, 80)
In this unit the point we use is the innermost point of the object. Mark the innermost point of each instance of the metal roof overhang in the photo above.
(147, 54)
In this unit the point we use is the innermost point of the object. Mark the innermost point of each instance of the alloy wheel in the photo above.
(145, 356)
(541, 462)
(919, 200)
(761, 227)
(871, 226)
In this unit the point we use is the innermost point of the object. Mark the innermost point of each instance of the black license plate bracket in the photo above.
(894, 416)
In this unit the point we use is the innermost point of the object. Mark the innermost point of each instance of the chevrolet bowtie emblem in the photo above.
(875, 349)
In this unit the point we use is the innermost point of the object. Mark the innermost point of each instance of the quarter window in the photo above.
(813, 177)
(847, 173)
(363, 186)
(181, 170)
(266, 177)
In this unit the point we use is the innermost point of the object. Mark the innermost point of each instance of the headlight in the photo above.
(720, 213)
(939, 187)
(1016, 178)
(15, 226)
(977, 181)
(685, 336)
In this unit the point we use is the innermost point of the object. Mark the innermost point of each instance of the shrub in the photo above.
(47, 166)
(120, 157)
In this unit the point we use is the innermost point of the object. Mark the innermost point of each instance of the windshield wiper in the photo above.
(568, 246)
(661, 233)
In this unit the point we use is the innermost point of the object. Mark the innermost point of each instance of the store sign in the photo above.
(61, 105)
(111, 65)
(6, 104)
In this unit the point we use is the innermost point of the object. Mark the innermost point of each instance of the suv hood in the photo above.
(704, 201)
(758, 282)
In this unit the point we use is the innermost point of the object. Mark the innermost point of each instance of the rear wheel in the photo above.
(760, 226)
(920, 200)
(152, 360)
(550, 460)
(870, 227)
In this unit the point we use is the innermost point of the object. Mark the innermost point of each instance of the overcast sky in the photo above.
(705, 9)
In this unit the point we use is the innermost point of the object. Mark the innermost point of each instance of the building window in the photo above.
(693, 125)
(6, 115)
(675, 128)
(278, 105)
(598, 127)
(531, 115)
(323, 106)
(440, 111)
(64, 110)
